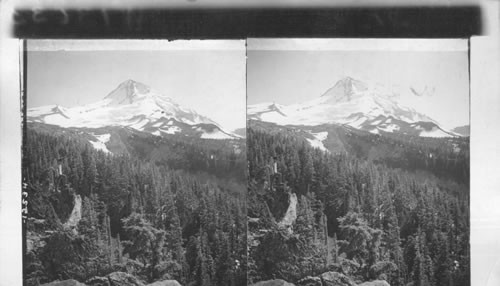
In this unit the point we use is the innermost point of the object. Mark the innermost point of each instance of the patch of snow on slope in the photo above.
(42, 110)
(357, 123)
(276, 118)
(139, 125)
(171, 130)
(317, 142)
(389, 128)
(157, 124)
(100, 144)
(374, 131)
(157, 133)
(103, 137)
(216, 135)
(320, 135)
(270, 112)
(56, 119)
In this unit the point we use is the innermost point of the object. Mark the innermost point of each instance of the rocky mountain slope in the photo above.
(137, 106)
(356, 104)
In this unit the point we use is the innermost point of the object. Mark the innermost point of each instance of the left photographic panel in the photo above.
(134, 162)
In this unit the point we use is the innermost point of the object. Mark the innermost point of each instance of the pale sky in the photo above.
(207, 76)
(293, 71)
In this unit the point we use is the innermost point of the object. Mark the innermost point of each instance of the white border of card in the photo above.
(485, 151)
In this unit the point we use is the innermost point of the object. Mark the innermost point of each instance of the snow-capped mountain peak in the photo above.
(132, 104)
(127, 92)
(345, 88)
(351, 102)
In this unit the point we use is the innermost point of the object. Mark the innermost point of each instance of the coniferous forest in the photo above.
(343, 219)
(172, 210)
(102, 218)
(245, 162)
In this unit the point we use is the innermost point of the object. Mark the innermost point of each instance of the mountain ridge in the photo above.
(463, 130)
(352, 102)
(136, 105)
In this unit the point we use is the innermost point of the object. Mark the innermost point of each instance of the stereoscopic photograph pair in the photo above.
(269, 162)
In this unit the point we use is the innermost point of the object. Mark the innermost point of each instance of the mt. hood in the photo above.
(353, 103)
(135, 105)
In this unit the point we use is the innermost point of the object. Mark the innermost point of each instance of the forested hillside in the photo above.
(179, 216)
(444, 157)
(403, 219)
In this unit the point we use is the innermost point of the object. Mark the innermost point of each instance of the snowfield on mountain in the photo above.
(356, 104)
(135, 105)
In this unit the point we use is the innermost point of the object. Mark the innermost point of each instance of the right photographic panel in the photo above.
(358, 155)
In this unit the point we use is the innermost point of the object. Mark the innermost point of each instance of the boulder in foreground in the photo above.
(165, 283)
(310, 281)
(336, 279)
(69, 282)
(98, 281)
(123, 279)
(375, 283)
(275, 282)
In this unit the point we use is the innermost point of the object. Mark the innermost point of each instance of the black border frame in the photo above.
(232, 23)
